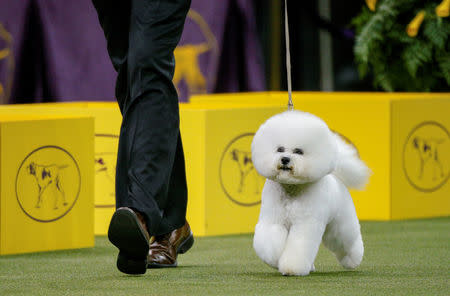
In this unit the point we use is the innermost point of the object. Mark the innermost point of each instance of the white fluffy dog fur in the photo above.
(305, 199)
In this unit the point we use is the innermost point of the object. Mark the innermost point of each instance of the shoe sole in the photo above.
(182, 248)
(186, 245)
(126, 233)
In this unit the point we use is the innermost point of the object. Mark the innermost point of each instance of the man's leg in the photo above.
(151, 119)
(127, 229)
(165, 248)
(157, 172)
(150, 167)
(175, 212)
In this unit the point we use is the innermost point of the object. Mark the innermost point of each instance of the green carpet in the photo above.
(401, 258)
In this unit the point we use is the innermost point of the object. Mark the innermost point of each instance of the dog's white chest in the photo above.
(290, 206)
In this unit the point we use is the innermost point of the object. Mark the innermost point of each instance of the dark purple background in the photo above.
(60, 52)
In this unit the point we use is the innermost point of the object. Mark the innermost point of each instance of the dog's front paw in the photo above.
(269, 242)
(288, 266)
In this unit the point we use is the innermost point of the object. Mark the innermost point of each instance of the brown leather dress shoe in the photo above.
(128, 232)
(165, 248)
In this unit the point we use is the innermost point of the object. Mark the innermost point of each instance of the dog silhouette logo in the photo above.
(188, 55)
(238, 177)
(105, 169)
(426, 156)
(244, 162)
(48, 183)
(45, 176)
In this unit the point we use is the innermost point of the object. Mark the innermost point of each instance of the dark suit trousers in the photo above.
(141, 36)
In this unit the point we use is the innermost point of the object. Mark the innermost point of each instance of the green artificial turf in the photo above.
(401, 258)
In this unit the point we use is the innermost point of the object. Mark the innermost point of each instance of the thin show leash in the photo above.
(288, 57)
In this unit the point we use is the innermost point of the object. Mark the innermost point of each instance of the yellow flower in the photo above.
(443, 9)
(372, 3)
(414, 25)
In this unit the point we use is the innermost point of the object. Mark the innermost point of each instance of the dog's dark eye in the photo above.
(298, 151)
(280, 149)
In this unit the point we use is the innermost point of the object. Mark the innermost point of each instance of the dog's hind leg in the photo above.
(422, 165)
(438, 168)
(269, 242)
(343, 238)
(241, 182)
(56, 196)
(441, 168)
(58, 186)
(39, 200)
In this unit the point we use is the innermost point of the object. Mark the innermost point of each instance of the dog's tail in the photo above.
(350, 169)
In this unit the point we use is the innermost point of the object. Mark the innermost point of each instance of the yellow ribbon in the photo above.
(443, 9)
(414, 25)
(371, 4)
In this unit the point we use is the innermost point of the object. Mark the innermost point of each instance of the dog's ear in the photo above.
(31, 169)
(234, 154)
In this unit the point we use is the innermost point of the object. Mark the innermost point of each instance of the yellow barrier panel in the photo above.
(107, 126)
(216, 141)
(420, 161)
(46, 183)
(224, 188)
(403, 137)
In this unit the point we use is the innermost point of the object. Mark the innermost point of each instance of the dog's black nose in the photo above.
(285, 160)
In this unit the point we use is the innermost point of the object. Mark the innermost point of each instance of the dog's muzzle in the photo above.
(284, 166)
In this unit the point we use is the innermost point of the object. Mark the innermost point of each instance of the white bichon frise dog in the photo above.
(305, 199)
